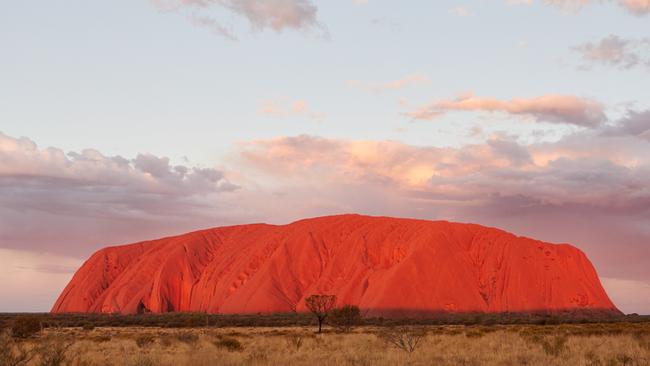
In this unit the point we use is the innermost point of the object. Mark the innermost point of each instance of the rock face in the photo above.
(386, 266)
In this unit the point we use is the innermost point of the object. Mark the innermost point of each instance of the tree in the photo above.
(320, 305)
(345, 317)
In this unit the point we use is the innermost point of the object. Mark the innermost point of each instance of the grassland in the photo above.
(612, 343)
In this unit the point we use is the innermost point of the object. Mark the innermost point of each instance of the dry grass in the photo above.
(588, 344)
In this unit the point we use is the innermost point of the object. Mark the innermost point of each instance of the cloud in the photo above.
(211, 23)
(636, 7)
(277, 15)
(404, 82)
(564, 109)
(634, 124)
(613, 51)
(72, 202)
(283, 108)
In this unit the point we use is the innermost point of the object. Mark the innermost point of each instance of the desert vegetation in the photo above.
(593, 344)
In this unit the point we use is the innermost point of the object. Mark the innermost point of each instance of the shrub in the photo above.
(101, 338)
(141, 360)
(187, 337)
(144, 340)
(25, 326)
(554, 346)
(345, 317)
(295, 341)
(12, 354)
(624, 360)
(229, 343)
(52, 353)
(405, 338)
(88, 326)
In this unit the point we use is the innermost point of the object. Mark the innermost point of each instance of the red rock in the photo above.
(386, 266)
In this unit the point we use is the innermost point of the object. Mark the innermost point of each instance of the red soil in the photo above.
(386, 266)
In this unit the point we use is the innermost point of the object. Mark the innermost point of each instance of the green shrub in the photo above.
(25, 326)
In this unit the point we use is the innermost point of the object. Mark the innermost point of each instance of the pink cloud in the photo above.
(636, 7)
(549, 108)
(71, 202)
(613, 51)
(277, 15)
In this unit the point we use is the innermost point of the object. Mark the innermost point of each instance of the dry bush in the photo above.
(295, 341)
(229, 343)
(345, 318)
(144, 340)
(166, 340)
(142, 360)
(25, 326)
(187, 337)
(53, 352)
(12, 353)
(554, 346)
(405, 338)
(101, 338)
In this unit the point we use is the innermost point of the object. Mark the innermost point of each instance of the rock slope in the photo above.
(386, 266)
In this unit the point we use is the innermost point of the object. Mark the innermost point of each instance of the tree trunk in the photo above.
(320, 324)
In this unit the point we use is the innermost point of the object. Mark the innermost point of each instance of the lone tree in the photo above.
(320, 305)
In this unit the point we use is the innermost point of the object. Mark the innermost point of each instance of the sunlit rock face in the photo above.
(386, 266)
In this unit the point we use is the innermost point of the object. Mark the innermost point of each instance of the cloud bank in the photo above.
(566, 109)
(63, 202)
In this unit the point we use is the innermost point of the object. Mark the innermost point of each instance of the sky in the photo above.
(123, 121)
